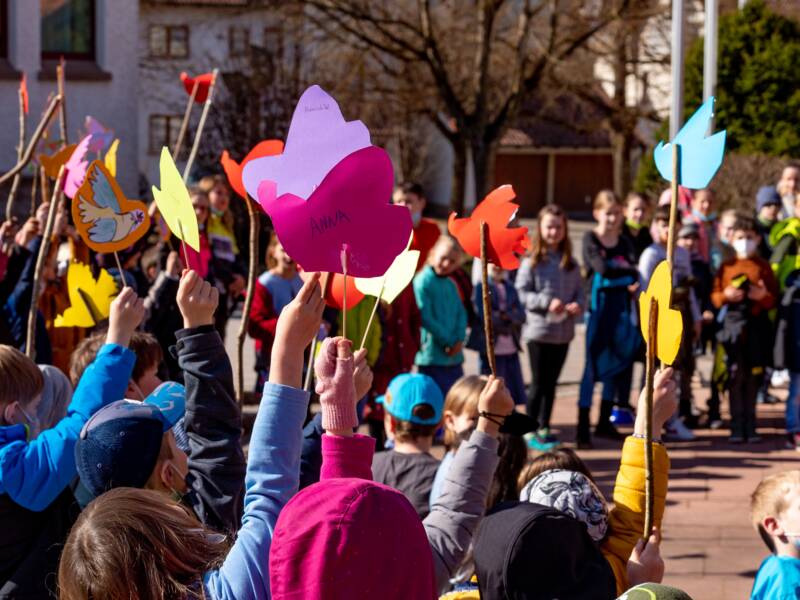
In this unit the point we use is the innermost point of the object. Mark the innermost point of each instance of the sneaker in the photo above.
(779, 378)
(715, 424)
(539, 444)
(621, 416)
(545, 435)
(677, 431)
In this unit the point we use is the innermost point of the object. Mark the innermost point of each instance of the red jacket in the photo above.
(425, 235)
(401, 325)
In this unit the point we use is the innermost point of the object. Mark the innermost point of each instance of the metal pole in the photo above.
(710, 50)
(676, 102)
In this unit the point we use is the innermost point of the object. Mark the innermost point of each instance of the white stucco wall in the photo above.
(112, 102)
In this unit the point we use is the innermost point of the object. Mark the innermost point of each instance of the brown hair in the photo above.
(208, 183)
(22, 379)
(406, 431)
(146, 348)
(560, 458)
(132, 543)
(462, 397)
(771, 498)
(565, 247)
(605, 199)
(637, 196)
(745, 223)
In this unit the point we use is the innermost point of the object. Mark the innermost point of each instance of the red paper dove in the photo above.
(203, 83)
(233, 170)
(496, 211)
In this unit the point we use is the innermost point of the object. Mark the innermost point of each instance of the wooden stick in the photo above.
(185, 123)
(183, 246)
(120, 269)
(673, 205)
(12, 194)
(307, 385)
(372, 316)
(62, 109)
(252, 214)
(199, 133)
(30, 338)
(344, 297)
(26, 157)
(488, 327)
(44, 182)
(650, 368)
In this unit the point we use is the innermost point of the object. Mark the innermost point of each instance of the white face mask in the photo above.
(744, 248)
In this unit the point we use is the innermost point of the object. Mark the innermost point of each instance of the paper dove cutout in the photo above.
(350, 206)
(203, 83)
(700, 156)
(174, 203)
(504, 244)
(23, 90)
(397, 277)
(318, 139)
(233, 170)
(110, 159)
(90, 299)
(670, 323)
(105, 218)
(53, 163)
(100, 134)
(76, 167)
(334, 295)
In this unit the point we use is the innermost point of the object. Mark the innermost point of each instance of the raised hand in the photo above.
(362, 374)
(28, 232)
(335, 386)
(127, 311)
(494, 405)
(645, 564)
(197, 300)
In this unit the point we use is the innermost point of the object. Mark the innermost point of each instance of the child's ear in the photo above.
(165, 474)
(448, 419)
(8, 412)
(772, 526)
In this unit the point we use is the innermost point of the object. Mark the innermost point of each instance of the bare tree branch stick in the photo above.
(199, 133)
(176, 149)
(650, 373)
(252, 214)
(26, 157)
(62, 109)
(488, 326)
(12, 194)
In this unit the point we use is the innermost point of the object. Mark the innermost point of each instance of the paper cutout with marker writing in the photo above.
(23, 89)
(670, 323)
(334, 295)
(700, 156)
(90, 298)
(203, 85)
(233, 170)
(107, 220)
(101, 136)
(76, 167)
(350, 206)
(504, 243)
(392, 283)
(317, 140)
(174, 203)
(110, 159)
(53, 163)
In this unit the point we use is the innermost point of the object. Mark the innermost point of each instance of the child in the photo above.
(705, 217)
(37, 506)
(444, 319)
(635, 226)
(768, 209)
(788, 187)
(775, 511)
(336, 532)
(200, 262)
(163, 317)
(136, 443)
(507, 320)
(426, 232)
(611, 336)
(683, 298)
(551, 291)
(413, 404)
(275, 288)
(143, 544)
(787, 354)
(746, 287)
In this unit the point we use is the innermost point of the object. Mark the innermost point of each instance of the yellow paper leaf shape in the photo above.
(670, 323)
(90, 299)
(110, 159)
(394, 281)
(174, 203)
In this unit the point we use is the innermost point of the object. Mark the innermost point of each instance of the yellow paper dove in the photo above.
(90, 300)
(394, 281)
(670, 323)
(110, 159)
(174, 203)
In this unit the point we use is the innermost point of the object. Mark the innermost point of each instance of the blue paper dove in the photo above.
(110, 223)
(700, 156)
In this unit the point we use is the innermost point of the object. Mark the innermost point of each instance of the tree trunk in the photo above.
(483, 166)
(622, 146)
(460, 156)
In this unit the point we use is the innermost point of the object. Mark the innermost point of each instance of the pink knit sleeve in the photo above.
(347, 456)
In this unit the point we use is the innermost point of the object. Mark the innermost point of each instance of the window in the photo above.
(3, 29)
(238, 41)
(273, 41)
(68, 29)
(168, 41)
(163, 131)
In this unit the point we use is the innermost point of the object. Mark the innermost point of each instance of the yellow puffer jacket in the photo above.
(626, 520)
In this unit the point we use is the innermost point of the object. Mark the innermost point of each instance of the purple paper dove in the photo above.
(318, 139)
(76, 167)
(100, 134)
(349, 209)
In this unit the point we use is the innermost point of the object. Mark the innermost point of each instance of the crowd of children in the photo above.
(123, 471)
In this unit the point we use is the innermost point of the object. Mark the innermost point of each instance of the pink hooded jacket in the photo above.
(349, 537)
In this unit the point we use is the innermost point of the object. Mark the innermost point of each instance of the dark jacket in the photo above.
(164, 318)
(311, 455)
(640, 242)
(507, 322)
(787, 335)
(214, 426)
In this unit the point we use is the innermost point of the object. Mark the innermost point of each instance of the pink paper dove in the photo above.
(318, 139)
(350, 208)
(76, 167)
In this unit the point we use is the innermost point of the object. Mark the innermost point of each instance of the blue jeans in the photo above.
(444, 376)
(792, 405)
(509, 368)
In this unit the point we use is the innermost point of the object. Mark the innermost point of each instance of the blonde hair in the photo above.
(449, 241)
(565, 246)
(462, 397)
(22, 379)
(770, 499)
(605, 199)
(134, 543)
(273, 243)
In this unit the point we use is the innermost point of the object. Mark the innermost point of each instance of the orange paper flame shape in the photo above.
(233, 170)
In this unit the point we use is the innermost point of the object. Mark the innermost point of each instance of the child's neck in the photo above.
(787, 549)
(417, 446)
(553, 248)
(608, 237)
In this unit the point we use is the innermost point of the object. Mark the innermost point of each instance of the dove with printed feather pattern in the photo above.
(107, 220)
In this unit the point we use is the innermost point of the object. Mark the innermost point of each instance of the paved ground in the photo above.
(710, 548)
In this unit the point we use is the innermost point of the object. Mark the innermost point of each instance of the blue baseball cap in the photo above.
(409, 390)
(119, 445)
(767, 195)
